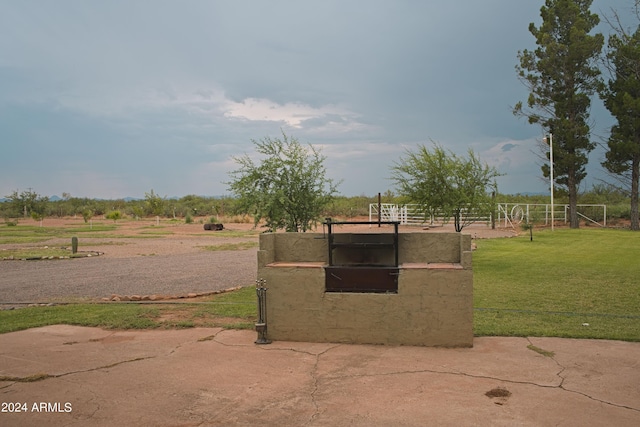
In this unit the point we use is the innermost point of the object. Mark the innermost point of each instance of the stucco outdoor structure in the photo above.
(433, 305)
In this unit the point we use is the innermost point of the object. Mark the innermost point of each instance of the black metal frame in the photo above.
(354, 276)
(332, 245)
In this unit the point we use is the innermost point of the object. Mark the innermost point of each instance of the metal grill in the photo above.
(360, 262)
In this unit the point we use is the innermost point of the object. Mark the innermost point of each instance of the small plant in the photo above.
(188, 219)
(87, 214)
(138, 212)
(538, 350)
(11, 222)
(528, 226)
(213, 220)
(37, 216)
(529, 220)
(114, 215)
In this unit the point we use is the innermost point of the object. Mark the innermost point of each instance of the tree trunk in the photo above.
(574, 221)
(635, 178)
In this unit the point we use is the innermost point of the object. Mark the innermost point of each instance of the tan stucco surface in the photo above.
(433, 305)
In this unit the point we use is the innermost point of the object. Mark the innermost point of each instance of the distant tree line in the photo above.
(22, 205)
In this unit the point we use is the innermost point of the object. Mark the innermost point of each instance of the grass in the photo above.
(541, 351)
(231, 246)
(34, 253)
(231, 310)
(37, 234)
(156, 233)
(231, 233)
(105, 316)
(567, 283)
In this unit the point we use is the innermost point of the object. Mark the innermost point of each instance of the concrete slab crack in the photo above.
(315, 386)
(561, 386)
(313, 372)
(45, 376)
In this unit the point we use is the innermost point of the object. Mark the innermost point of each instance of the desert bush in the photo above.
(618, 211)
(114, 215)
(87, 214)
(10, 222)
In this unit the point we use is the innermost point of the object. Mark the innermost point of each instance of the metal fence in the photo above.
(511, 214)
(413, 214)
(507, 214)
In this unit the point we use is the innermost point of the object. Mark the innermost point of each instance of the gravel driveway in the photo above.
(97, 277)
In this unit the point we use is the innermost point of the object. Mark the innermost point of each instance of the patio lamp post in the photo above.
(550, 142)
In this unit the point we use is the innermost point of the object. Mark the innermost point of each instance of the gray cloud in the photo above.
(110, 99)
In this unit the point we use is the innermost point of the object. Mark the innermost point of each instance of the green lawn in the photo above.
(230, 310)
(567, 283)
(36, 234)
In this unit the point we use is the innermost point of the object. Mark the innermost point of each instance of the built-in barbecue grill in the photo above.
(362, 262)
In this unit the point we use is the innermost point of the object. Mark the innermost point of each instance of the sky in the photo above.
(111, 99)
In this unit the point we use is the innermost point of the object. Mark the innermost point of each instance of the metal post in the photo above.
(261, 325)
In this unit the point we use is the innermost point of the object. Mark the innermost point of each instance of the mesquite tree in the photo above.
(561, 75)
(288, 189)
(27, 203)
(443, 183)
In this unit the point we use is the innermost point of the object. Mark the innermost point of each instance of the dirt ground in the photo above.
(148, 237)
(159, 260)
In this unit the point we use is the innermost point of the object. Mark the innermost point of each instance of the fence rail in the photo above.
(512, 214)
(413, 214)
(507, 214)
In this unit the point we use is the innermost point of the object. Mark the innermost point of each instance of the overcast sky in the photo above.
(110, 99)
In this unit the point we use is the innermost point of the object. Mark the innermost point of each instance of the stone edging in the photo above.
(160, 297)
(79, 254)
(125, 298)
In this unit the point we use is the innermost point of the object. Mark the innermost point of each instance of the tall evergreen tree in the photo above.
(561, 75)
(622, 99)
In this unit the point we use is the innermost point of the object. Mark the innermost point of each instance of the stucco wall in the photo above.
(433, 306)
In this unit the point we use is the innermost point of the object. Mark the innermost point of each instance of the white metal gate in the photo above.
(413, 214)
(512, 214)
(507, 214)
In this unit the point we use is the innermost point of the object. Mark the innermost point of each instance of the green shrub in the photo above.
(11, 222)
(114, 215)
(619, 211)
(87, 214)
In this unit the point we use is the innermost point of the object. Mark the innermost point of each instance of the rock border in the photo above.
(79, 254)
(161, 297)
(125, 298)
